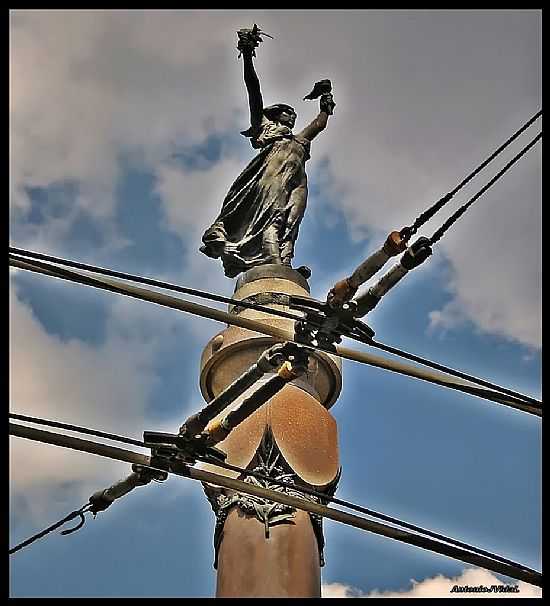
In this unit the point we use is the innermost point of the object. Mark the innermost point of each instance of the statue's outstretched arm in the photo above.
(319, 124)
(249, 39)
(252, 83)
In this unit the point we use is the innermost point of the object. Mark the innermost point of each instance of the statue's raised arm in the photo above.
(323, 91)
(249, 39)
(261, 214)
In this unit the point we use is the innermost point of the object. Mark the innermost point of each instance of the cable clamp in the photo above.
(175, 451)
(417, 253)
(324, 325)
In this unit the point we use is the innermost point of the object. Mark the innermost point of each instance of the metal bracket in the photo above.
(171, 451)
(325, 325)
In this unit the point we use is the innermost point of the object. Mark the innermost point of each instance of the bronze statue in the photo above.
(262, 211)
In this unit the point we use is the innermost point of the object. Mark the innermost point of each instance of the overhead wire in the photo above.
(323, 497)
(515, 571)
(437, 235)
(456, 373)
(432, 210)
(77, 428)
(152, 282)
(272, 311)
(354, 507)
(277, 332)
(74, 514)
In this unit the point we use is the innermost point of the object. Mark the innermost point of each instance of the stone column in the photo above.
(264, 549)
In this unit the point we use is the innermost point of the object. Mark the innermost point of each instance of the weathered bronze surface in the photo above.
(285, 565)
(262, 212)
(263, 549)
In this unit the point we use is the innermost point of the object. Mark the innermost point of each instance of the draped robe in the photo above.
(268, 196)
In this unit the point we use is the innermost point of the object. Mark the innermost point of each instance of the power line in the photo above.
(359, 508)
(74, 514)
(430, 212)
(274, 331)
(516, 571)
(451, 371)
(303, 489)
(275, 312)
(151, 282)
(77, 428)
(437, 235)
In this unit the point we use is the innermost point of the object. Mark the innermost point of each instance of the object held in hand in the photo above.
(249, 39)
(321, 88)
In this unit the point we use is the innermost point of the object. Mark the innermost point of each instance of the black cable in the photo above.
(455, 216)
(74, 514)
(370, 512)
(76, 428)
(90, 281)
(456, 373)
(419, 540)
(430, 212)
(151, 282)
(324, 498)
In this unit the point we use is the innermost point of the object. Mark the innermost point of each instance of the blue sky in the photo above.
(140, 153)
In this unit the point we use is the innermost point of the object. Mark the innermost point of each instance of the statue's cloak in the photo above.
(259, 198)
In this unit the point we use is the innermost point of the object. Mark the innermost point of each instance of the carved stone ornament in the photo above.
(270, 462)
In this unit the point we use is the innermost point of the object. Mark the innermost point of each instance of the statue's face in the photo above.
(287, 118)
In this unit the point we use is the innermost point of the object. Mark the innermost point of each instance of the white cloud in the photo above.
(438, 586)
(106, 387)
(421, 96)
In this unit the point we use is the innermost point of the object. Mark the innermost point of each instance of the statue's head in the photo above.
(282, 113)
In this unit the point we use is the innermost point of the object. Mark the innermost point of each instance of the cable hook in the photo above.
(80, 513)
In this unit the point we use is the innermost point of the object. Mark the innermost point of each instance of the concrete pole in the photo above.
(264, 549)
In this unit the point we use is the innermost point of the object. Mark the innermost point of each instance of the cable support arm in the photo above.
(396, 242)
(195, 439)
(140, 476)
(416, 254)
(345, 289)
(516, 571)
(269, 361)
(292, 368)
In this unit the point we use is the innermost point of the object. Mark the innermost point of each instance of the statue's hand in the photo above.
(249, 39)
(326, 103)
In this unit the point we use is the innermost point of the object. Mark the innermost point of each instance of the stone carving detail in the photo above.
(270, 462)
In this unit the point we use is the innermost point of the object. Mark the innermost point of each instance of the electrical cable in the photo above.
(151, 282)
(74, 514)
(451, 371)
(437, 235)
(276, 312)
(517, 571)
(430, 212)
(324, 498)
(277, 332)
(375, 514)
(76, 428)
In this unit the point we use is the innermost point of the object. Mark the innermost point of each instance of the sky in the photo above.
(124, 138)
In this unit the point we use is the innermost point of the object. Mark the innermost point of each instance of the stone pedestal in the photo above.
(264, 549)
